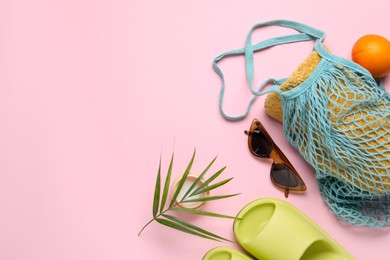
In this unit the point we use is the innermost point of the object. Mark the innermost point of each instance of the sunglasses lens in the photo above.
(283, 176)
(260, 145)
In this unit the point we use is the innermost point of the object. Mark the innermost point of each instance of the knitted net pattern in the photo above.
(341, 126)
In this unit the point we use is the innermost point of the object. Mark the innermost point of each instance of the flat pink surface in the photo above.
(91, 92)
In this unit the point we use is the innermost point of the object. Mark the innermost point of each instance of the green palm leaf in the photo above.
(209, 198)
(166, 186)
(203, 213)
(182, 180)
(174, 225)
(199, 178)
(175, 222)
(211, 187)
(195, 228)
(213, 177)
(156, 200)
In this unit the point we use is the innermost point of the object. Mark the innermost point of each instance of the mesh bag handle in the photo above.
(305, 33)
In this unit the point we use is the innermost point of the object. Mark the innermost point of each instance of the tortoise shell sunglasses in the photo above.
(283, 174)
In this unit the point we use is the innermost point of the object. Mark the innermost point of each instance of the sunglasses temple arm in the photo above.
(286, 192)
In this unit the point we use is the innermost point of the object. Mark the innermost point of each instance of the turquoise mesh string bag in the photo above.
(338, 118)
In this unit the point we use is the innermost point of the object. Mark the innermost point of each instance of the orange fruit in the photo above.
(372, 52)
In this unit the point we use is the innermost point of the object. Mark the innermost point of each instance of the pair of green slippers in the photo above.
(270, 228)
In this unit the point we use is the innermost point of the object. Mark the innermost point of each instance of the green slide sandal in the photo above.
(225, 253)
(270, 228)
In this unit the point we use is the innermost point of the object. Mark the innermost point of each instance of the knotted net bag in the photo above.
(337, 116)
(340, 124)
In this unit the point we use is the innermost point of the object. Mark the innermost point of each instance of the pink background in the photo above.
(91, 92)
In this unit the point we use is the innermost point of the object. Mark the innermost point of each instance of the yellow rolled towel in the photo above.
(272, 104)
